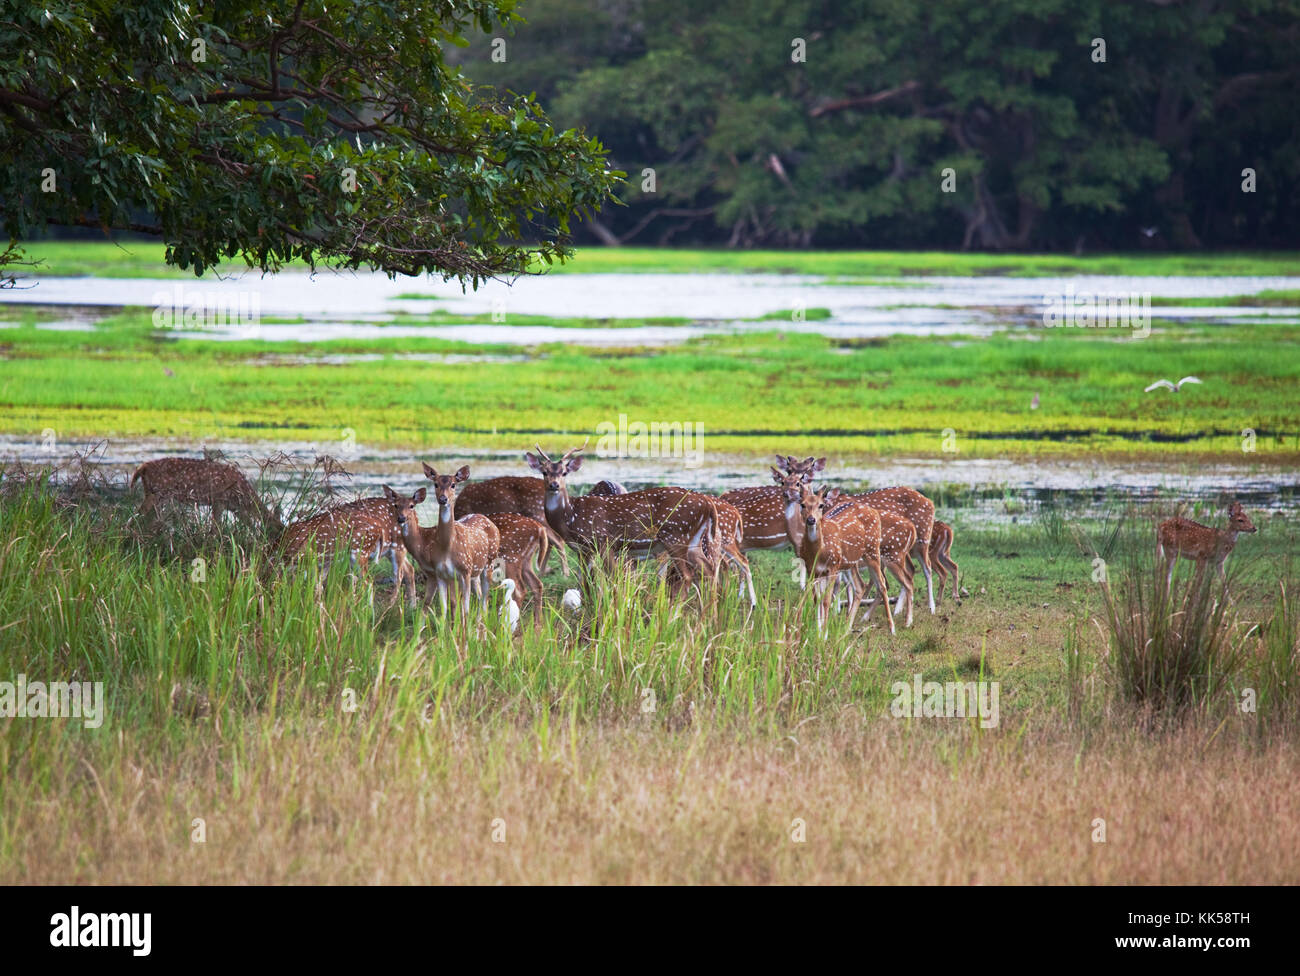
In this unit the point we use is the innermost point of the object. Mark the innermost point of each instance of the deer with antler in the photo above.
(194, 481)
(454, 552)
(639, 524)
(832, 545)
(365, 528)
(1200, 543)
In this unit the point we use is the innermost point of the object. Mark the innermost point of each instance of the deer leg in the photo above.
(856, 590)
(746, 577)
(873, 566)
(904, 573)
(952, 568)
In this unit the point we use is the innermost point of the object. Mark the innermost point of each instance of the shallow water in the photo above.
(348, 305)
(972, 490)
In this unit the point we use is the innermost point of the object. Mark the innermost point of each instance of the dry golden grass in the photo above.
(882, 803)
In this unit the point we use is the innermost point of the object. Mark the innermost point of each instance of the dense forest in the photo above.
(1012, 124)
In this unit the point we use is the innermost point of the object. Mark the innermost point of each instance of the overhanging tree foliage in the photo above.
(334, 132)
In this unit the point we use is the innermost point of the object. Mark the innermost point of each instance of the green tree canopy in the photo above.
(334, 132)
(801, 121)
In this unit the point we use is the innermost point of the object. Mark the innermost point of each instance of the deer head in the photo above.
(813, 506)
(806, 468)
(404, 507)
(1238, 520)
(555, 472)
(445, 486)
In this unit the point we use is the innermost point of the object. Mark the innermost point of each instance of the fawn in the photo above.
(366, 528)
(1191, 540)
(454, 552)
(832, 545)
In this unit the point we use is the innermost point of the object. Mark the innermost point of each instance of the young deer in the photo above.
(366, 528)
(917, 509)
(1200, 543)
(194, 481)
(455, 552)
(834, 545)
(510, 495)
(896, 532)
(897, 540)
(522, 539)
(639, 524)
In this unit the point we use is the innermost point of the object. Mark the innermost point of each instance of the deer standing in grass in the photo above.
(840, 544)
(731, 533)
(366, 528)
(897, 540)
(194, 481)
(522, 540)
(1200, 543)
(453, 553)
(639, 524)
(897, 536)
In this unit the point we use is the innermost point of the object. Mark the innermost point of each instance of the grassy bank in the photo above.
(144, 259)
(805, 393)
(319, 737)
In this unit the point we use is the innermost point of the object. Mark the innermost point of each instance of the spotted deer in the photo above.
(639, 524)
(1200, 543)
(365, 528)
(731, 536)
(895, 531)
(220, 486)
(524, 540)
(454, 552)
(897, 540)
(765, 510)
(510, 495)
(840, 544)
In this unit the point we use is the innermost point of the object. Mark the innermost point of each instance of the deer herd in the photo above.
(505, 528)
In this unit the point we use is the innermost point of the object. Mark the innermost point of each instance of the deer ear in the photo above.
(389, 493)
(777, 476)
(780, 463)
(575, 463)
(420, 495)
(819, 464)
(428, 471)
(533, 460)
(463, 473)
